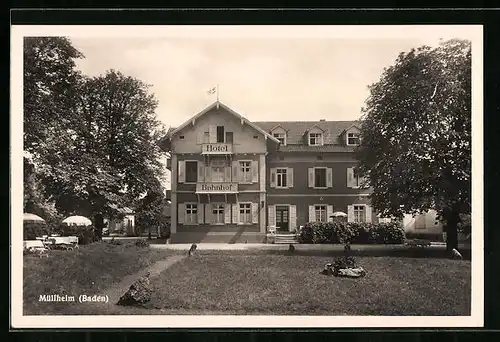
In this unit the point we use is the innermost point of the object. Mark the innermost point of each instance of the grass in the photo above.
(87, 270)
(239, 283)
(400, 282)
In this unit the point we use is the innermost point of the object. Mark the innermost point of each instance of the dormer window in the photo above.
(353, 139)
(281, 137)
(315, 139)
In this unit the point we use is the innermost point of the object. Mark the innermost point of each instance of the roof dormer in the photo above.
(279, 133)
(352, 136)
(315, 136)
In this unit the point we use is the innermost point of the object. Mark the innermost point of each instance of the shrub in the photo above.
(32, 230)
(352, 233)
(343, 262)
(387, 233)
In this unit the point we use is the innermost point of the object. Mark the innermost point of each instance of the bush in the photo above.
(32, 230)
(352, 233)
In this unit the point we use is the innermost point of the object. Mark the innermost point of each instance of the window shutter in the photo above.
(200, 212)
(293, 217)
(329, 212)
(290, 177)
(182, 171)
(271, 215)
(273, 177)
(235, 172)
(208, 213)
(312, 214)
(227, 213)
(311, 177)
(236, 211)
(199, 137)
(181, 212)
(350, 213)
(350, 177)
(227, 174)
(201, 172)
(255, 212)
(368, 214)
(255, 171)
(208, 173)
(329, 177)
(212, 134)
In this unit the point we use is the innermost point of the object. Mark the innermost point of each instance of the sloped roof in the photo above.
(296, 129)
(171, 132)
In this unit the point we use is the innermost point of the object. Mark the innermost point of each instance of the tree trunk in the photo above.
(452, 219)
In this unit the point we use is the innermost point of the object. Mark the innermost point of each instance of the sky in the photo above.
(264, 73)
(270, 79)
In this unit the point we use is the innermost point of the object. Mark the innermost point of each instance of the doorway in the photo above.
(282, 218)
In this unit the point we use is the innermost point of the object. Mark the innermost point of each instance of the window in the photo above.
(191, 171)
(229, 137)
(191, 213)
(217, 174)
(281, 178)
(315, 139)
(353, 139)
(280, 137)
(320, 211)
(359, 180)
(320, 177)
(245, 213)
(245, 172)
(181, 137)
(220, 134)
(256, 137)
(218, 213)
(359, 213)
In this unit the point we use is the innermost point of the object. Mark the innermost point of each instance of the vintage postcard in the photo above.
(246, 176)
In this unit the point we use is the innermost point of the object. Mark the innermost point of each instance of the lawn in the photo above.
(89, 269)
(246, 284)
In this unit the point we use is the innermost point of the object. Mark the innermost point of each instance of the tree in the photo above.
(416, 135)
(110, 156)
(50, 80)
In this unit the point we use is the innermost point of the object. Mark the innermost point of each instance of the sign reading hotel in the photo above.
(217, 148)
(216, 188)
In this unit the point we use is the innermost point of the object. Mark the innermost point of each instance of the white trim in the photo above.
(286, 173)
(186, 214)
(239, 213)
(326, 211)
(322, 140)
(284, 137)
(347, 138)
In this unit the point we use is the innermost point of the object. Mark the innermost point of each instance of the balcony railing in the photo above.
(217, 148)
(216, 188)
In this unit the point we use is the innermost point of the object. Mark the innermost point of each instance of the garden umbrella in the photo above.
(339, 214)
(77, 221)
(32, 218)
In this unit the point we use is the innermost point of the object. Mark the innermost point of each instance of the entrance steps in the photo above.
(285, 239)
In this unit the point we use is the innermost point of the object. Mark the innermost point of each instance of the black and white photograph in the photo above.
(246, 176)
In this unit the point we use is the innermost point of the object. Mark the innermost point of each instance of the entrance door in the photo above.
(282, 219)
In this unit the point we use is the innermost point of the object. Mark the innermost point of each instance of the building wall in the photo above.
(243, 135)
(423, 224)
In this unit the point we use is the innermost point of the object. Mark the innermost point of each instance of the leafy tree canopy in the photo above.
(416, 134)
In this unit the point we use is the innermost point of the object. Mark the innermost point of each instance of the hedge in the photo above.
(85, 234)
(32, 230)
(356, 233)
